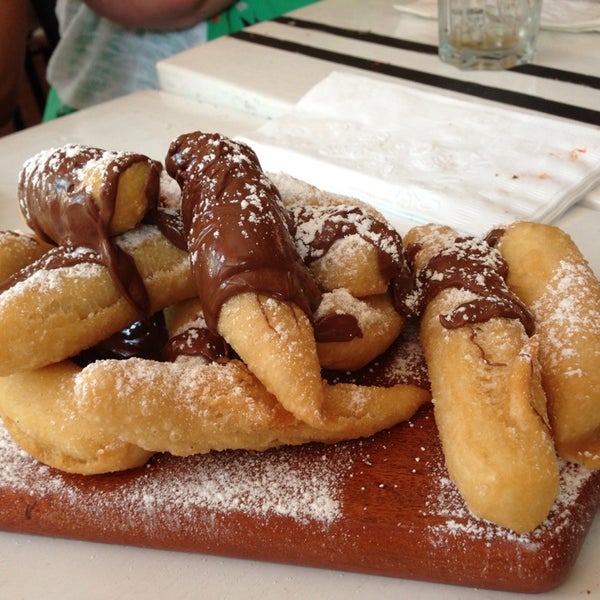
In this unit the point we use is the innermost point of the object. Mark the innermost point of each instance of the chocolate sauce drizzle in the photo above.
(145, 338)
(317, 228)
(471, 264)
(198, 341)
(238, 232)
(232, 222)
(60, 208)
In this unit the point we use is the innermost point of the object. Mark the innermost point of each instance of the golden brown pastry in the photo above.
(67, 300)
(253, 286)
(114, 414)
(39, 411)
(361, 287)
(356, 258)
(549, 274)
(248, 323)
(378, 324)
(489, 404)
(79, 193)
(346, 243)
(80, 196)
(17, 250)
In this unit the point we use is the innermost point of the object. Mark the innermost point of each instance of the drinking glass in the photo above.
(488, 34)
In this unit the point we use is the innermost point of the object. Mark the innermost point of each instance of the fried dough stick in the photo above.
(549, 274)
(184, 408)
(51, 312)
(254, 288)
(488, 401)
(81, 196)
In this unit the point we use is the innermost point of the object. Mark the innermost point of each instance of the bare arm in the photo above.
(158, 14)
(13, 40)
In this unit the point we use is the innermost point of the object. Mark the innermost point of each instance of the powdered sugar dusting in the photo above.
(43, 280)
(569, 317)
(261, 485)
(43, 166)
(457, 520)
(341, 301)
(352, 223)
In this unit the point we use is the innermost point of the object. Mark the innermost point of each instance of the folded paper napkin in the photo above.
(426, 157)
(560, 15)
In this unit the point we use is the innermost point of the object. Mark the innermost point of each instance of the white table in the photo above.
(143, 122)
(32, 567)
(266, 68)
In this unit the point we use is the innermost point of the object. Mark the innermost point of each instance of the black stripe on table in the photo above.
(512, 98)
(393, 42)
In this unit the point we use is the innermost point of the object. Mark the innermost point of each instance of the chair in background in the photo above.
(40, 45)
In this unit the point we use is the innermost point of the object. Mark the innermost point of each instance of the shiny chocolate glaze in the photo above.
(198, 341)
(143, 339)
(471, 264)
(339, 327)
(59, 206)
(317, 228)
(333, 328)
(237, 229)
(170, 224)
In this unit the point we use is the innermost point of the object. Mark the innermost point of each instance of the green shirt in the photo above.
(242, 14)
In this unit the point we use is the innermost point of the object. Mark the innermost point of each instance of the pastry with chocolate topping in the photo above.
(188, 406)
(80, 196)
(101, 270)
(356, 257)
(67, 300)
(345, 243)
(489, 404)
(100, 372)
(367, 250)
(255, 290)
(378, 324)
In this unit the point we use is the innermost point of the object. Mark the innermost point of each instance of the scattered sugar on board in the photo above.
(262, 485)
(458, 521)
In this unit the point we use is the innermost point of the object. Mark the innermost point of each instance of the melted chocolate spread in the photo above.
(471, 264)
(317, 228)
(143, 339)
(61, 209)
(170, 224)
(237, 229)
(337, 328)
(232, 222)
(198, 341)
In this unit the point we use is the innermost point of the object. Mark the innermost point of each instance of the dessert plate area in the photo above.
(382, 506)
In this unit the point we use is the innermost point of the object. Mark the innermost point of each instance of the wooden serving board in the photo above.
(382, 505)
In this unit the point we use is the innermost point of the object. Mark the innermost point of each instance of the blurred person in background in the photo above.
(109, 48)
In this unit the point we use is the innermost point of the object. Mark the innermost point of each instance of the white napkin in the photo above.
(428, 157)
(560, 15)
